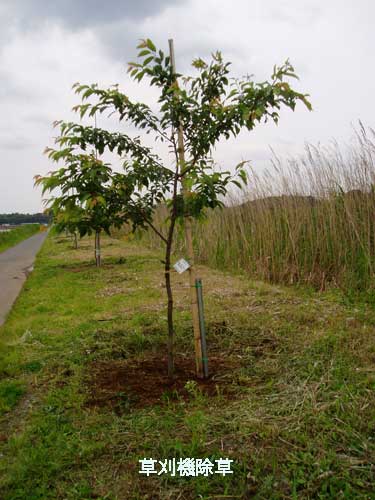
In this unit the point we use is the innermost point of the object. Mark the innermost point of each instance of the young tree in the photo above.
(191, 120)
(68, 219)
(88, 202)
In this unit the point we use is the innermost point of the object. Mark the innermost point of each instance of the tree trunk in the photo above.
(168, 251)
(97, 249)
(75, 240)
(170, 309)
(168, 286)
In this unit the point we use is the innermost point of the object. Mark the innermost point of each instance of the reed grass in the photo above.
(306, 220)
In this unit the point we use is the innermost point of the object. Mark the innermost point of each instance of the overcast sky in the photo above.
(47, 45)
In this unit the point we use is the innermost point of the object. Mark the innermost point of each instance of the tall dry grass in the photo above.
(307, 220)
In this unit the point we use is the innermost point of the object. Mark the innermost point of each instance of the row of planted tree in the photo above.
(194, 113)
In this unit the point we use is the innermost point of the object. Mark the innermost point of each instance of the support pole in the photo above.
(189, 241)
(198, 286)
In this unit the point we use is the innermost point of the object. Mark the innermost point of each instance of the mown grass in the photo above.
(14, 236)
(298, 420)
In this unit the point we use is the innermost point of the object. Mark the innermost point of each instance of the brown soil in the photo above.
(123, 385)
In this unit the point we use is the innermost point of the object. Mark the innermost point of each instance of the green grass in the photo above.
(10, 392)
(14, 236)
(294, 405)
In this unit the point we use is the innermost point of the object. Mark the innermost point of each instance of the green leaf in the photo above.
(236, 183)
(150, 45)
(148, 60)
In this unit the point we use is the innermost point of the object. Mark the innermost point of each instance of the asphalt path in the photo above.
(15, 265)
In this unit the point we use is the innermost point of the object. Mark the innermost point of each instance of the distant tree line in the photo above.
(17, 218)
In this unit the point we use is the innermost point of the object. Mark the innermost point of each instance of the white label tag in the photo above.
(181, 266)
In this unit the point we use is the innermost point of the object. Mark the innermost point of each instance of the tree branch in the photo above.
(156, 231)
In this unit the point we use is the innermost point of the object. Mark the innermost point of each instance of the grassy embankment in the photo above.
(14, 236)
(83, 398)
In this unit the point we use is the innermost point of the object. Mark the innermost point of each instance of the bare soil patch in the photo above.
(126, 384)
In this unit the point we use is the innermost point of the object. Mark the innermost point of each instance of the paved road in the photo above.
(14, 266)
